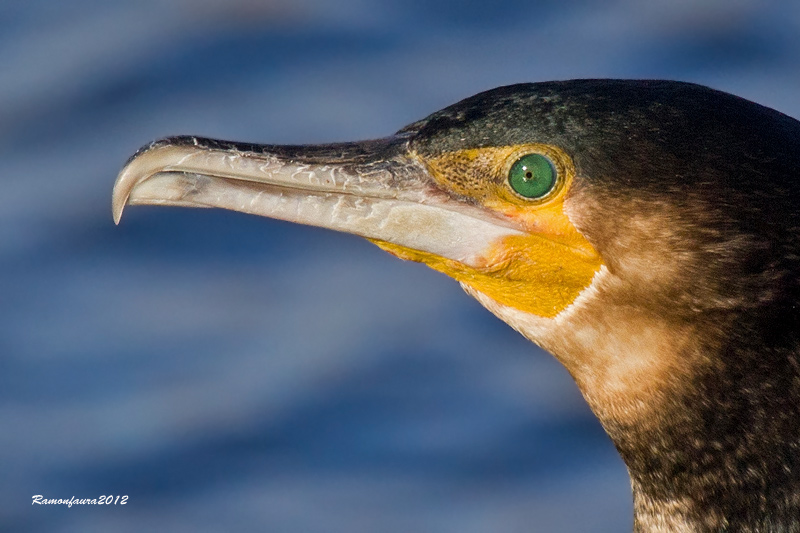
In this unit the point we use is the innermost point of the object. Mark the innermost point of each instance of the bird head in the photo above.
(626, 226)
(647, 233)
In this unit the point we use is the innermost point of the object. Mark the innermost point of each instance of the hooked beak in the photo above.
(375, 189)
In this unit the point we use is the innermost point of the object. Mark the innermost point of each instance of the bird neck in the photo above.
(722, 452)
(705, 411)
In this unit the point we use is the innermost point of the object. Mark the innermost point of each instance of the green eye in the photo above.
(532, 176)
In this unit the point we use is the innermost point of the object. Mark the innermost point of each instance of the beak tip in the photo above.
(119, 199)
(146, 162)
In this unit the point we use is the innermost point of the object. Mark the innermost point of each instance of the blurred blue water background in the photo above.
(228, 372)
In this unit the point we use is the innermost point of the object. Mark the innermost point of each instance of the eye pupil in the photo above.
(532, 176)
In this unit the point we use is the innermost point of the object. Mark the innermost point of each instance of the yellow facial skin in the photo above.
(541, 272)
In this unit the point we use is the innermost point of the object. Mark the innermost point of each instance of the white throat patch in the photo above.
(626, 360)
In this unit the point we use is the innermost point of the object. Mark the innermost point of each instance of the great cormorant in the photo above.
(647, 233)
